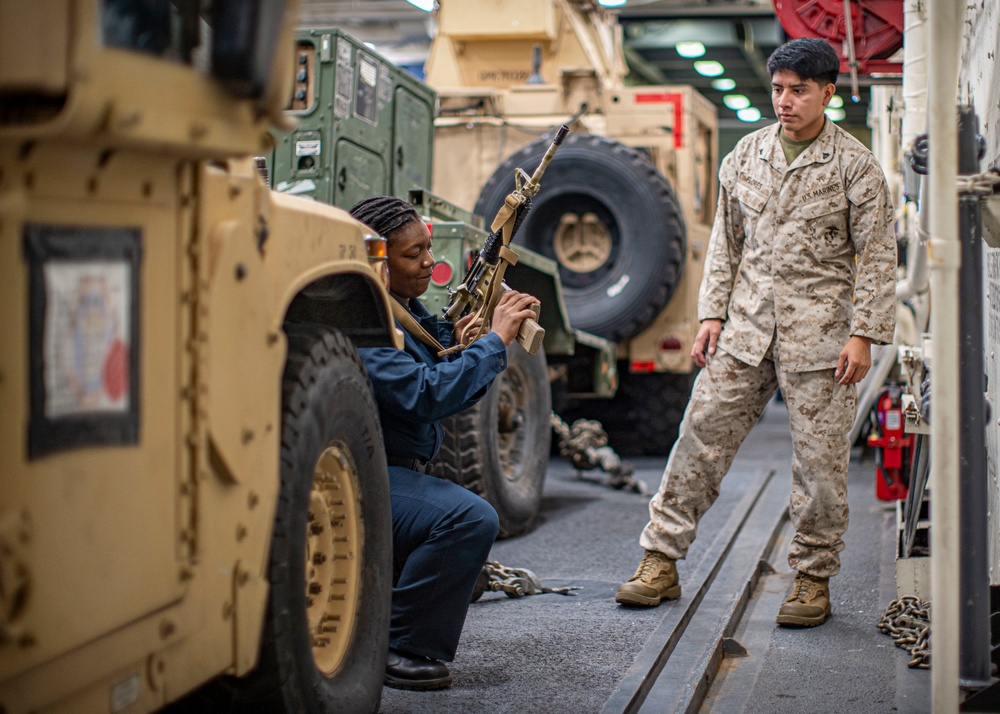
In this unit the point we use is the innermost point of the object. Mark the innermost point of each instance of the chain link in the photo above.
(517, 582)
(908, 621)
(585, 445)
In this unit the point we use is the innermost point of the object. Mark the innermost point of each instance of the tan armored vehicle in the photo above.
(193, 484)
(627, 204)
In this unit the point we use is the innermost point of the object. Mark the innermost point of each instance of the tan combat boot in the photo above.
(654, 580)
(809, 604)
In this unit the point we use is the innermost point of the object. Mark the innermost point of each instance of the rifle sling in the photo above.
(410, 324)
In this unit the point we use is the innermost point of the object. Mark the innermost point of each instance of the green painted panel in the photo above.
(413, 141)
(352, 107)
(358, 174)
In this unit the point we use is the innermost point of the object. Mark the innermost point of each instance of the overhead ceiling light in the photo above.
(709, 68)
(724, 85)
(836, 101)
(748, 114)
(736, 101)
(611, 3)
(836, 114)
(690, 49)
(425, 5)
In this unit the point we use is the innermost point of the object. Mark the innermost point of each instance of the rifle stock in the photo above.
(530, 334)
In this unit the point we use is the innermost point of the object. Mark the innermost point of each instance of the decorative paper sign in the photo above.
(84, 335)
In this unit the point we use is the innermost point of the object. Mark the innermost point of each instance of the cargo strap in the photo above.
(515, 582)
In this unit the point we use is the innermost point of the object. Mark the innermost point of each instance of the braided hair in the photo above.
(384, 214)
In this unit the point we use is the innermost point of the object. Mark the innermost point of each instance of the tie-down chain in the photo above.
(908, 621)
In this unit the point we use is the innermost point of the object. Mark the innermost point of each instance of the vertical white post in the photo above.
(944, 251)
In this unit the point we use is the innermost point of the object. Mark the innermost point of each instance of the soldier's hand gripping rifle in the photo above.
(483, 284)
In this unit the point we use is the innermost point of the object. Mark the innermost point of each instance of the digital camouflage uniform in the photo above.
(801, 258)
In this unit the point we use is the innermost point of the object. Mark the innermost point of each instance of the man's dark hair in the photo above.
(809, 58)
(384, 214)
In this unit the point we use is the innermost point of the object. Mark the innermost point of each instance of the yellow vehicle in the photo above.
(627, 204)
(193, 484)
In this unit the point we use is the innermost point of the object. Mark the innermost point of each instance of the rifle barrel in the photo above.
(560, 135)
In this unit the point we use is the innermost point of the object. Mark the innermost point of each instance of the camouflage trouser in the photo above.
(727, 399)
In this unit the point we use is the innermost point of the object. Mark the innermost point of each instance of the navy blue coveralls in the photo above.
(441, 532)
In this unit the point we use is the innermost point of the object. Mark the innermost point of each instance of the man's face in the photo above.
(799, 104)
(410, 260)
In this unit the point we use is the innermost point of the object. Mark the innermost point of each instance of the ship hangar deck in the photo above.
(717, 649)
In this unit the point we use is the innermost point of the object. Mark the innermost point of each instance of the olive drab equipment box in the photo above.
(628, 202)
(152, 286)
(365, 127)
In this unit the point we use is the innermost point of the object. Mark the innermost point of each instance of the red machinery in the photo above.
(877, 27)
(892, 446)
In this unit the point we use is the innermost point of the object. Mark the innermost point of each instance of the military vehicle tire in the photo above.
(499, 448)
(326, 633)
(612, 223)
(643, 417)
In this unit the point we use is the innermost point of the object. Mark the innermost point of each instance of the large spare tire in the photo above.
(611, 222)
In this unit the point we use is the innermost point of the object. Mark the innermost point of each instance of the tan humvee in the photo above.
(628, 203)
(192, 482)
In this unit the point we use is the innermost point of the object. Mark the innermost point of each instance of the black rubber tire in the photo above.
(327, 403)
(643, 416)
(636, 205)
(499, 448)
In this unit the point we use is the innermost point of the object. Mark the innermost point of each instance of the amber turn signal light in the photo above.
(378, 248)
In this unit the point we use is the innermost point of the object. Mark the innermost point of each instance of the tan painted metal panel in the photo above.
(102, 521)
(500, 18)
(35, 66)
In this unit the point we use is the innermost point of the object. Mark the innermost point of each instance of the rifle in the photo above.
(483, 284)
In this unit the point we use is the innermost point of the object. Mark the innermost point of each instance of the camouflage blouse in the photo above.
(802, 254)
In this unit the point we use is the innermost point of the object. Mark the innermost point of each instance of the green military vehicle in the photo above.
(365, 128)
(194, 486)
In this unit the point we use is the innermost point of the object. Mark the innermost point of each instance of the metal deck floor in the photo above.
(584, 653)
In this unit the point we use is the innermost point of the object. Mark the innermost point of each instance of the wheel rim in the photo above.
(511, 434)
(581, 233)
(333, 567)
(582, 243)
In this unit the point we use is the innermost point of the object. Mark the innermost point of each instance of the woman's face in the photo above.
(410, 260)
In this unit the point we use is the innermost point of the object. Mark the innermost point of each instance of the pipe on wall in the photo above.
(944, 250)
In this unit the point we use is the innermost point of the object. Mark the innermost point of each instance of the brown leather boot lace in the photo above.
(650, 565)
(805, 588)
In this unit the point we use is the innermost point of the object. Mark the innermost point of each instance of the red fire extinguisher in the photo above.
(892, 446)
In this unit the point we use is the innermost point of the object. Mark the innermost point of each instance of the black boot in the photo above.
(410, 671)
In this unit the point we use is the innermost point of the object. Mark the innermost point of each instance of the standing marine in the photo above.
(799, 283)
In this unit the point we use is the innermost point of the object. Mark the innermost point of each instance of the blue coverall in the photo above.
(441, 532)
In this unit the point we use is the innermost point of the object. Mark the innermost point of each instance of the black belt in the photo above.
(411, 464)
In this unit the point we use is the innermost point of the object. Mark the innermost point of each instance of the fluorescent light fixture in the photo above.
(836, 114)
(736, 101)
(748, 114)
(425, 5)
(690, 49)
(609, 3)
(709, 68)
(836, 101)
(725, 84)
